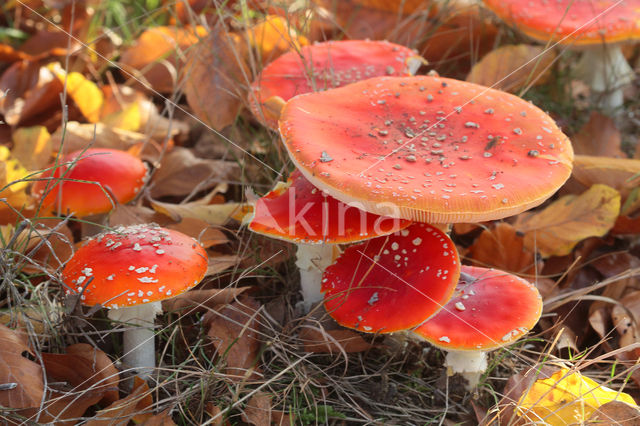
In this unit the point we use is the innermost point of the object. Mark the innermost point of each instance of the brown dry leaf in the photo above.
(125, 215)
(158, 54)
(332, 341)
(555, 230)
(77, 136)
(181, 173)
(160, 419)
(15, 368)
(215, 413)
(216, 79)
(9, 54)
(273, 37)
(126, 409)
(213, 214)
(49, 246)
(32, 147)
(48, 43)
(599, 136)
(234, 331)
(198, 300)
(513, 67)
(207, 235)
(614, 172)
(28, 90)
(106, 375)
(258, 410)
(615, 413)
(220, 262)
(502, 248)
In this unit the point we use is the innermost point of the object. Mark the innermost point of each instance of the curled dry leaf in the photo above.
(319, 340)
(503, 248)
(18, 369)
(514, 67)
(198, 300)
(158, 55)
(77, 136)
(599, 136)
(216, 79)
(555, 230)
(180, 173)
(234, 331)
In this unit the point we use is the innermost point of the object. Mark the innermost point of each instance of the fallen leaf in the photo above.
(199, 300)
(555, 230)
(19, 370)
(599, 136)
(48, 245)
(221, 262)
(126, 409)
(234, 331)
(77, 136)
(213, 214)
(217, 418)
(181, 173)
(160, 419)
(503, 248)
(615, 413)
(274, 36)
(318, 340)
(105, 373)
(258, 410)
(622, 174)
(158, 54)
(514, 67)
(13, 184)
(32, 147)
(84, 93)
(206, 235)
(216, 79)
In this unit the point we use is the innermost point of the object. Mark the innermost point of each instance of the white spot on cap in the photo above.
(444, 339)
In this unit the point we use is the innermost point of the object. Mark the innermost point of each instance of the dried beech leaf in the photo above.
(234, 331)
(502, 248)
(622, 174)
(258, 410)
(32, 146)
(207, 235)
(513, 67)
(216, 79)
(615, 413)
(105, 373)
(555, 230)
(198, 300)
(181, 173)
(15, 368)
(599, 136)
(221, 262)
(332, 341)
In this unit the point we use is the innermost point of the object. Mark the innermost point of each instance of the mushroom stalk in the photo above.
(312, 260)
(138, 339)
(606, 71)
(469, 364)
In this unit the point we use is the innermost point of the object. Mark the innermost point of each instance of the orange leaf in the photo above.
(619, 173)
(273, 37)
(599, 136)
(126, 409)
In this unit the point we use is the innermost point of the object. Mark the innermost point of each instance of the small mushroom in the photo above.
(300, 213)
(130, 270)
(489, 309)
(394, 282)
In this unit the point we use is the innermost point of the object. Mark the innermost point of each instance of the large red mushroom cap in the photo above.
(440, 150)
(490, 309)
(325, 66)
(299, 212)
(135, 265)
(575, 22)
(394, 282)
(85, 181)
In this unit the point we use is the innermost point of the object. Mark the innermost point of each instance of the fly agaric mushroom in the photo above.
(91, 182)
(392, 283)
(325, 66)
(489, 309)
(598, 28)
(298, 212)
(130, 270)
(441, 150)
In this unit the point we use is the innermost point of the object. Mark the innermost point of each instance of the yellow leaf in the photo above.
(513, 67)
(274, 36)
(32, 147)
(566, 398)
(85, 94)
(12, 188)
(555, 230)
(128, 118)
(618, 173)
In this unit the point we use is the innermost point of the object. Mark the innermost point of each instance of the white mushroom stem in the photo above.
(312, 259)
(606, 71)
(470, 364)
(138, 339)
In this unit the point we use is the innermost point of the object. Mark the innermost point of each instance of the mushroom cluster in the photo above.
(421, 150)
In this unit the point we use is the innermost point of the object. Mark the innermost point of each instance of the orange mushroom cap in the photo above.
(440, 150)
(84, 181)
(576, 22)
(394, 282)
(134, 265)
(301, 213)
(325, 66)
(489, 309)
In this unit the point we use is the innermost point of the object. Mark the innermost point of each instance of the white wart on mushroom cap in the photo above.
(135, 265)
(440, 150)
(489, 309)
(393, 282)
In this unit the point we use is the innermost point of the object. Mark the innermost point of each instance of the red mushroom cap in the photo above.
(392, 283)
(134, 265)
(325, 66)
(75, 188)
(490, 309)
(575, 22)
(301, 213)
(440, 150)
